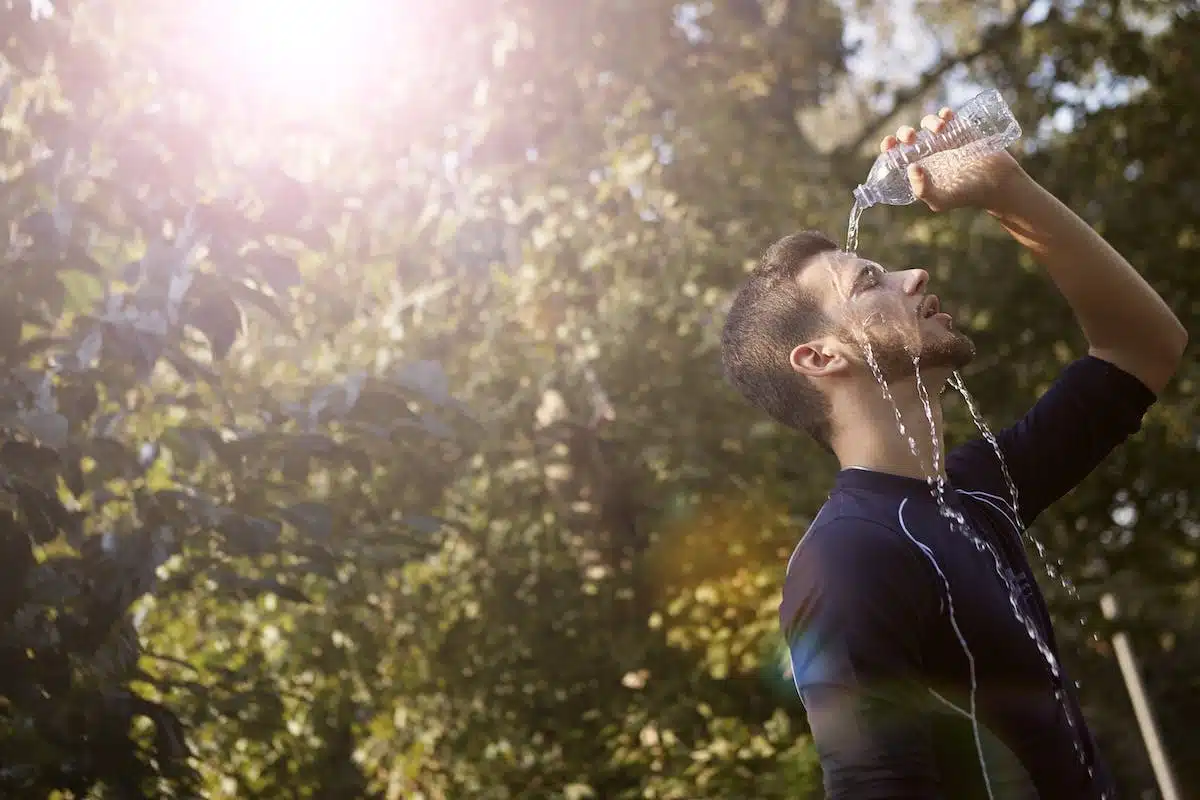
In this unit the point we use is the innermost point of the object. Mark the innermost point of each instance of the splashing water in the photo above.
(873, 364)
(852, 230)
(958, 523)
(1060, 697)
(936, 481)
(956, 381)
(1054, 569)
(955, 518)
(962, 640)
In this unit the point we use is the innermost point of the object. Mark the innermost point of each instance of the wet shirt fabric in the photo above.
(882, 594)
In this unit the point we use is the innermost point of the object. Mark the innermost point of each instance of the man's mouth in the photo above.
(929, 306)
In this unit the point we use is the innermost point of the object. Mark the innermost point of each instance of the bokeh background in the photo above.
(364, 431)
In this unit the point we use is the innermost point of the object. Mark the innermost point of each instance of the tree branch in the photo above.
(991, 38)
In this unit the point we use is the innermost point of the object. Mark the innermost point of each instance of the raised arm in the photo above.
(1135, 342)
(856, 602)
(1125, 321)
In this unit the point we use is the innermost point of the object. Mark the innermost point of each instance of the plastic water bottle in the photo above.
(983, 126)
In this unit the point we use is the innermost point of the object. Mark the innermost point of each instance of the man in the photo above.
(920, 643)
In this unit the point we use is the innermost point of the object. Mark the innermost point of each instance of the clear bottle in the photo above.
(983, 126)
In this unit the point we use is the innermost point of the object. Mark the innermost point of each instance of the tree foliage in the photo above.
(373, 443)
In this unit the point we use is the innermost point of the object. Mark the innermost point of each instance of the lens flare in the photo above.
(290, 51)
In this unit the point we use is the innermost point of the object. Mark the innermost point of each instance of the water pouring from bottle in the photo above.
(982, 127)
(852, 229)
(977, 132)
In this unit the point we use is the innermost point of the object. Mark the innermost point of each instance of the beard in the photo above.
(948, 349)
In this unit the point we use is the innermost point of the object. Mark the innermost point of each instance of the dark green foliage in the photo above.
(408, 470)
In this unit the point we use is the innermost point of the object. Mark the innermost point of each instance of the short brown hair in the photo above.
(769, 316)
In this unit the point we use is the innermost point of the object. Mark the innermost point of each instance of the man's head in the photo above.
(802, 325)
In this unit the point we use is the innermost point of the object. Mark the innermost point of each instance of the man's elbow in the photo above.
(1154, 364)
(1175, 342)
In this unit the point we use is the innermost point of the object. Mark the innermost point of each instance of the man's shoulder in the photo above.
(847, 563)
(841, 537)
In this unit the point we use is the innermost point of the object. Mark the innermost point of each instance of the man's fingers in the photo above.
(916, 178)
(933, 123)
(906, 134)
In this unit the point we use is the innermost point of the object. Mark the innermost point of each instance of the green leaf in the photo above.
(245, 587)
(278, 271)
(218, 317)
(426, 377)
(247, 535)
(45, 516)
(113, 459)
(83, 290)
(423, 523)
(49, 428)
(313, 519)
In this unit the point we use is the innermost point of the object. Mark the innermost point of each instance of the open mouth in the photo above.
(929, 307)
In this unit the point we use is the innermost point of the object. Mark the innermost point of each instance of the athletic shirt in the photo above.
(877, 655)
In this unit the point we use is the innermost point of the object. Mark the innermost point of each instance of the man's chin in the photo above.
(949, 355)
(942, 355)
(951, 350)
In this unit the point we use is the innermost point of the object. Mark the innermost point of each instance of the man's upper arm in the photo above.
(855, 603)
(1092, 408)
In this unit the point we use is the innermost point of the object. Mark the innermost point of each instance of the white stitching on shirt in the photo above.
(987, 781)
(957, 708)
(1006, 511)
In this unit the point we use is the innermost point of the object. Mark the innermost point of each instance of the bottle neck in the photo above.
(866, 196)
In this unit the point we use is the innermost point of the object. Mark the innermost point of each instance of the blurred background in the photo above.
(365, 430)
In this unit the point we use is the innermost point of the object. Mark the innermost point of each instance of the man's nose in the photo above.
(915, 281)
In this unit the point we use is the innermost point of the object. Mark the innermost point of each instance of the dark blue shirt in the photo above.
(883, 592)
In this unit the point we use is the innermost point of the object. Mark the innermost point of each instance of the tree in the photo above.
(139, 456)
(380, 448)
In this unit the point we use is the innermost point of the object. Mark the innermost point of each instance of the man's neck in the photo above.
(871, 438)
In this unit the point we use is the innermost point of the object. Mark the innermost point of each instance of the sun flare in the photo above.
(293, 50)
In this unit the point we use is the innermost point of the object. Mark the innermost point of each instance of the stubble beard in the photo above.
(893, 352)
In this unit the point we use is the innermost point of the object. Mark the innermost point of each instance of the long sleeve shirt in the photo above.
(922, 648)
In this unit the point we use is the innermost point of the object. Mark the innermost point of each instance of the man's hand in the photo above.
(942, 185)
(1125, 321)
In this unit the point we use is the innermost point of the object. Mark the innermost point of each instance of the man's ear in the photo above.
(819, 357)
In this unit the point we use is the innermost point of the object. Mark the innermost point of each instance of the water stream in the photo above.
(873, 364)
(955, 519)
(973, 689)
(956, 381)
(1054, 568)
(959, 524)
(937, 482)
(852, 230)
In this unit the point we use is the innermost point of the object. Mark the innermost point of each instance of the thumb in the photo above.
(922, 187)
(919, 180)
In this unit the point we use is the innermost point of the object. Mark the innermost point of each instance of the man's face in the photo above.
(888, 313)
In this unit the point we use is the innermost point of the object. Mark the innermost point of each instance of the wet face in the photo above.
(891, 312)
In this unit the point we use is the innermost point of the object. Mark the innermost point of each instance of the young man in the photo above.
(920, 643)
